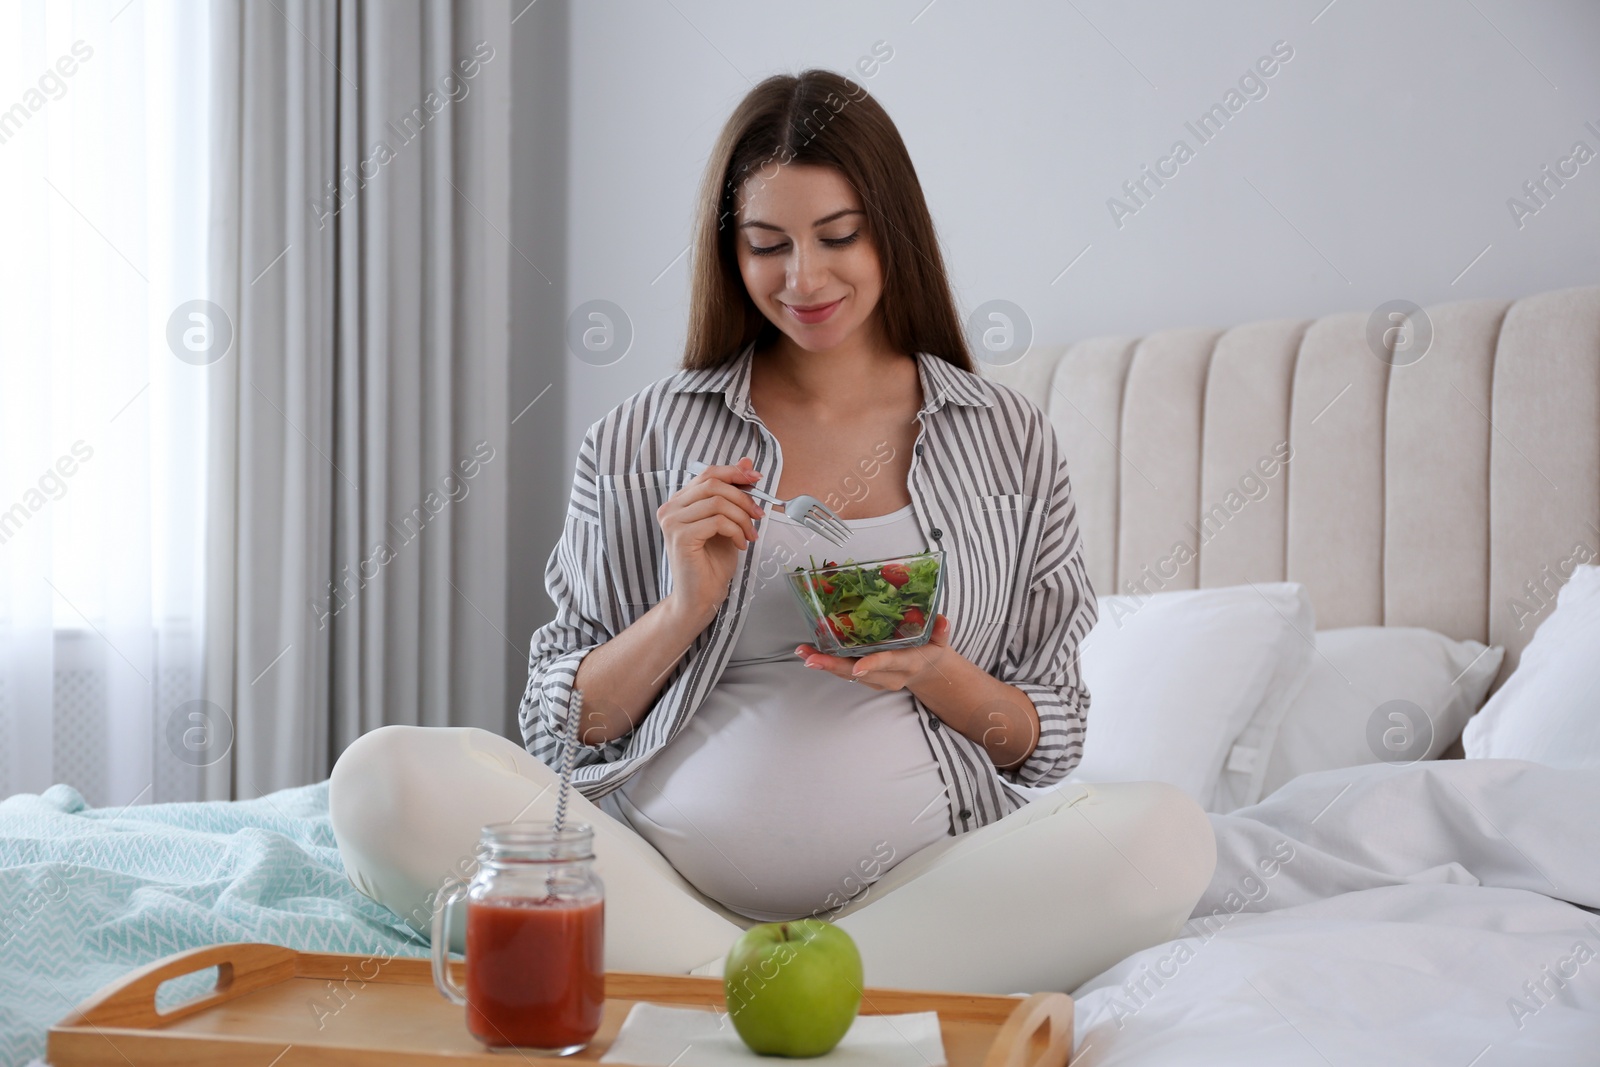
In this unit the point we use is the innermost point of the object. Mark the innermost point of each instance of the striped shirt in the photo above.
(988, 483)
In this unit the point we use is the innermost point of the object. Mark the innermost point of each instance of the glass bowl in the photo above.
(853, 609)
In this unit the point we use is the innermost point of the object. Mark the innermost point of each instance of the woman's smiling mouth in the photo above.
(815, 313)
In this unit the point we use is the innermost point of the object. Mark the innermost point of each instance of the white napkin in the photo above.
(657, 1036)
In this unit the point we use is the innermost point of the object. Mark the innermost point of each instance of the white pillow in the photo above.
(1183, 683)
(1365, 676)
(1549, 709)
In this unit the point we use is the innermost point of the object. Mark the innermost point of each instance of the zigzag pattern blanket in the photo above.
(87, 895)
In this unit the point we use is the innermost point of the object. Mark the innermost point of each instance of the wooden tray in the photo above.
(274, 1007)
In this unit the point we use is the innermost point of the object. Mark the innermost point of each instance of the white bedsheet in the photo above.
(1442, 913)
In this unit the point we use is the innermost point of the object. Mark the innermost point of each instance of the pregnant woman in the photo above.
(734, 773)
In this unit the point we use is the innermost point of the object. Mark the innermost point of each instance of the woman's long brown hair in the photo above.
(819, 118)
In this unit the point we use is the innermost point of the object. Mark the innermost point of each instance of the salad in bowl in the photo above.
(857, 608)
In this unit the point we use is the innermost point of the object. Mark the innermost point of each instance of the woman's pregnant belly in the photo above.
(790, 790)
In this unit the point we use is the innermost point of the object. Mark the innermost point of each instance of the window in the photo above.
(104, 463)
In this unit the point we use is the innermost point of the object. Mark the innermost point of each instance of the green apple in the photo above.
(793, 988)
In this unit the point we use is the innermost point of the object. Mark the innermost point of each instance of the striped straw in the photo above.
(574, 713)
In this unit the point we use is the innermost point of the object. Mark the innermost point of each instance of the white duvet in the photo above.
(1442, 913)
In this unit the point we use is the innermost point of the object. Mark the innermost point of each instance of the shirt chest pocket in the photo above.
(630, 533)
(995, 556)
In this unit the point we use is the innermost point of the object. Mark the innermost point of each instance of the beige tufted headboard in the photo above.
(1453, 492)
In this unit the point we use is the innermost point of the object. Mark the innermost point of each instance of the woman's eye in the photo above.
(831, 242)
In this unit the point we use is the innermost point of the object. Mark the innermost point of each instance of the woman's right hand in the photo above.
(707, 524)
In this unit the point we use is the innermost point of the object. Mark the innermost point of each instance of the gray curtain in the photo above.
(357, 557)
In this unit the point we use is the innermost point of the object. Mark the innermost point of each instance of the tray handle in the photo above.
(130, 1001)
(1038, 1033)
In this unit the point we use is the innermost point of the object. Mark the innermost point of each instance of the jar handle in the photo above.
(451, 892)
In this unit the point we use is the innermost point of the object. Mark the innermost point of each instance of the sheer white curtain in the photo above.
(103, 427)
(254, 355)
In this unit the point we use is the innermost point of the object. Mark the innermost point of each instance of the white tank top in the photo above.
(791, 789)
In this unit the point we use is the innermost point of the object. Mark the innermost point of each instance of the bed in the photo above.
(1439, 912)
(1427, 493)
(1442, 912)
(90, 894)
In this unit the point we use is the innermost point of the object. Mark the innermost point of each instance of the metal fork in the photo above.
(808, 511)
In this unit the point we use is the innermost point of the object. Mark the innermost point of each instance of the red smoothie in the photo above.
(535, 971)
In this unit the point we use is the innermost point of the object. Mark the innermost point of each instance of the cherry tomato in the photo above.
(895, 574)
(833, 624)
(911, 624)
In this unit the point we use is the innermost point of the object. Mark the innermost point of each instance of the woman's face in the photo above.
(805, 254)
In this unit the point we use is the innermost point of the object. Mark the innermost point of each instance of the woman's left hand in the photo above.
(901, 668)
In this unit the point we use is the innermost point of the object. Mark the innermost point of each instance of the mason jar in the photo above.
(535, 944)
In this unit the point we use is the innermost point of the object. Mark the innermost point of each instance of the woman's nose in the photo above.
(806, 273)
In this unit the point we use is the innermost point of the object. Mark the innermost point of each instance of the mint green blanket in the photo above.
(87, 895)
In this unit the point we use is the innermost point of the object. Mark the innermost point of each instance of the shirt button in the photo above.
(936, 533)
(965, 814)
(917, 450)
(934, 721)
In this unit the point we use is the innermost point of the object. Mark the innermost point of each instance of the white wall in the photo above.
(1387, 147)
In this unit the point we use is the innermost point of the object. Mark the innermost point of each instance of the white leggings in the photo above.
(1043, 899)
